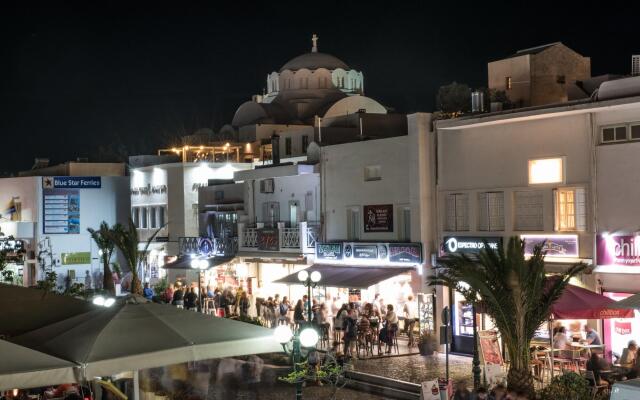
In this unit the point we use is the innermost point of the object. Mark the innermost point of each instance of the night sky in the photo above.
(100, 83)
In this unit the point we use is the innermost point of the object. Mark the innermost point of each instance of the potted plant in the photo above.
(427, 343)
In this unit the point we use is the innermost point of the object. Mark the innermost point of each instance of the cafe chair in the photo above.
(595, 388)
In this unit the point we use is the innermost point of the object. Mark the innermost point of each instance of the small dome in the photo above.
(314, 61)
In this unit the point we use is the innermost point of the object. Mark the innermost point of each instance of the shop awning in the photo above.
(579, 303)
(184, 262)
(630, 302)
(348, 276)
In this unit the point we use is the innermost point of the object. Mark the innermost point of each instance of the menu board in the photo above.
(378, 218)
(490, 347)
(61, 211)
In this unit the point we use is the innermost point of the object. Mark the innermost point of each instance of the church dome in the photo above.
(313, 61)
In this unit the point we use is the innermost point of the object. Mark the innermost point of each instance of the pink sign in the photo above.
(618, 250)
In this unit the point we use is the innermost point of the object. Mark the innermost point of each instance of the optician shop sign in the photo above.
(553, 245)
(618, 250)
(370, 253)
(470, 244)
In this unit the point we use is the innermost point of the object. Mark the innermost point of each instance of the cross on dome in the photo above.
(314, 40)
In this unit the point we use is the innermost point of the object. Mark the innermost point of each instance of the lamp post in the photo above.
(476, 356)
(307, 338)
(309, 280)
(200, 265)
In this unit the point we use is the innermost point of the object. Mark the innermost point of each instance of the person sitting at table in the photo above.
(593, 338)
(561, 342)
(597, 365)
(628, 357)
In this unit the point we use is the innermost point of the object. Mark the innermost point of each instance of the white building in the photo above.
(51, 214)
(563, 174)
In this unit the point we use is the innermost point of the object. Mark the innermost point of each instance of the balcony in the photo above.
(301, 239)
(145, 234)
(216, 246)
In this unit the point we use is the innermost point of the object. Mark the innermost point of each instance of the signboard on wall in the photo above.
(554, 245)
(618, 250)
(405, 252)
(81, 257)
(71, 182)
(61, 211)
(378, 218)
(369, 251)
(268, 239)
(469, 244)
(329, 251)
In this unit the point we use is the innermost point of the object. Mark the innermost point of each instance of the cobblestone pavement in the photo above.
(288, 392)
(416, 368)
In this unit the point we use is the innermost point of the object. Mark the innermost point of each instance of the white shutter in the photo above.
(581, 209)
(483, 211)
(529, 214)
(462, 213)
(450, 213)
(495, 208)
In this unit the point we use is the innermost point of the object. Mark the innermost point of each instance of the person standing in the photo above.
(168, 293)
(190, 299)
(410, 312)
(178, 297)
(244, 304)
(298, 314)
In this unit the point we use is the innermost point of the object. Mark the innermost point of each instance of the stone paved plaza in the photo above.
(416, 368)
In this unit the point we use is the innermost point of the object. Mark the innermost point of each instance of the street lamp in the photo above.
(307, 338)
(476, 357)
(309, 281)
(200, 265)
(103, 301)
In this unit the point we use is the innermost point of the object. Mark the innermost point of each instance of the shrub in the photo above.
(570, 386)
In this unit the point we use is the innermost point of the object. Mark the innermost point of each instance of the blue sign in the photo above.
(72, 182)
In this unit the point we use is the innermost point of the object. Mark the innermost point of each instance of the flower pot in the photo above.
(426, 349)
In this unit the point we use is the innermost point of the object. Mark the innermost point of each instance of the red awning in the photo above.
(579, 303)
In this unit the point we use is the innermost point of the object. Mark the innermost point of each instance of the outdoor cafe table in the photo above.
(576, 346)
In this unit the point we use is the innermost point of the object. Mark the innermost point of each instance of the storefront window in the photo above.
(619, 331)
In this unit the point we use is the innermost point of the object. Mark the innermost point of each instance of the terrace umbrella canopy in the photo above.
(630, 302)
(579, 303)
(26, 368)
(131, 337)
(25, 309)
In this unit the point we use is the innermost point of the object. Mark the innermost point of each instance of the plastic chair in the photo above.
(596, 386)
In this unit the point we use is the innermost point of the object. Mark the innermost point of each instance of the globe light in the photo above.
(309, 337)
(204, 264)
(303, 275)
(315, 276)
(195, 263)
(98, 301)
(109, 302)
(282, 334)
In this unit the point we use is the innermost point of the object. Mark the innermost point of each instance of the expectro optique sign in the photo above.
(469, 244)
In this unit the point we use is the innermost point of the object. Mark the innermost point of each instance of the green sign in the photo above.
(82, 257)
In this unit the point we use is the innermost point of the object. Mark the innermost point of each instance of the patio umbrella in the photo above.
(579, 303)
(130, 337)
(26, 368)
(629, 302)
(25, 309)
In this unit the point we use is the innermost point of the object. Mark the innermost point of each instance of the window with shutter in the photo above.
(529, 214)
(570, 209)
(491, 211)
(450, 213)
(457, 214)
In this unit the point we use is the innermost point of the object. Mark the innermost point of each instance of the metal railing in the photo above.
(250, 237)
(313, 234)
(290, 238)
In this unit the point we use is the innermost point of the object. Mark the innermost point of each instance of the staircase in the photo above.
(382, 386)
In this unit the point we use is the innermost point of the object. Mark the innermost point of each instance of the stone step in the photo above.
(380, 385)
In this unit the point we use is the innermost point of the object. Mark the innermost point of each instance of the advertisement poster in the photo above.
(365, 251)
(82, 257)
(61, 211)
(619, 331)
(490, 347)
(378, 218)
(430, 390)
(405, 252)
(554, 245)
(618, 250)
(268, 239)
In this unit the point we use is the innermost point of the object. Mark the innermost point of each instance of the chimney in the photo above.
(275, 149)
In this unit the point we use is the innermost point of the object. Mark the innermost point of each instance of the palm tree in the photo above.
(516, 294)
(102, 237)
(126, 240)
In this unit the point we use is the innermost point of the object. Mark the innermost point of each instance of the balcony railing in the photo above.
(215, 246)
(280, 238)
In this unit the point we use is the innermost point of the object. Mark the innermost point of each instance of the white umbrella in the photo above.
(26, 368)
(131, 337)
(629, 302)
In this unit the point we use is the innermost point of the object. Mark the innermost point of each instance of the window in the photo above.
(508, 84)
(134, 217)
(305, 144)
(161, 213)
(353, 224)
(546, 170)
(528, 210)
(143, 218)
(266, 185)
(614, 134)
(271, 213)
(152, 218)
(457, 216)
(635, 132)
(570, 209)
(372, 173)
(405, 230)
(491, 211)
(287, 146)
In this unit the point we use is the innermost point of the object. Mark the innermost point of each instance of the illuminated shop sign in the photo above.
(553, 245)
(618, 250)
(469, 244)
(71, 182)
(370, 253)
